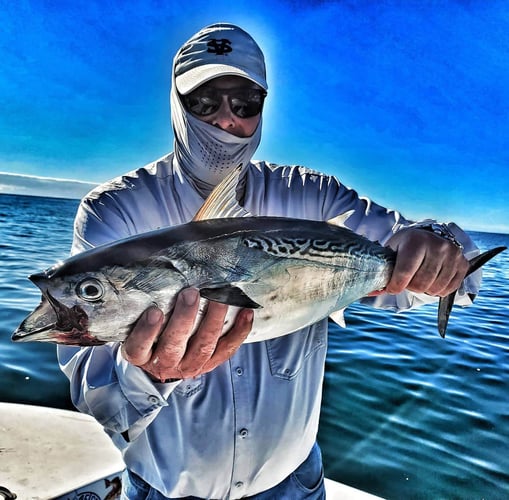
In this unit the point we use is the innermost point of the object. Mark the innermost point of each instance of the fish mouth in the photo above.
(53, 321)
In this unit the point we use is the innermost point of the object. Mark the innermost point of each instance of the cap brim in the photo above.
(195, 77)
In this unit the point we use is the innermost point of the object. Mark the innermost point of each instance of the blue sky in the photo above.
(407, 102)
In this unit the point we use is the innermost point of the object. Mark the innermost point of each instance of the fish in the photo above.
(291, 272)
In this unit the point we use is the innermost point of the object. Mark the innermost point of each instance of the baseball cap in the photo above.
(221, 49)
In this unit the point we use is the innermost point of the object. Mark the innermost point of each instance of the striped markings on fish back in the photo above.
(302, 247)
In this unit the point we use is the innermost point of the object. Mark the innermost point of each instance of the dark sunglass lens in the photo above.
(240, 107)
(201, 104)
(247, 103)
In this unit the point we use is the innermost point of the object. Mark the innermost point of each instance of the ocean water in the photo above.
(406, 414)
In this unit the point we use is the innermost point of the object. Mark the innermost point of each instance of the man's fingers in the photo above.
(446, 282)
(228, 344)
(202, 344)
(137, 349)
(172, 343)
(404, 270)
(176, 350)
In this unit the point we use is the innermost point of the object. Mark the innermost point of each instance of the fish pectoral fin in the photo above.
(229, 294)
(338, 317)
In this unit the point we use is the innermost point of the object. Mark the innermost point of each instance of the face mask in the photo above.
(204, 152)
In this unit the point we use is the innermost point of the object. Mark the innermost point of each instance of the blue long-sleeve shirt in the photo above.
(248, 424)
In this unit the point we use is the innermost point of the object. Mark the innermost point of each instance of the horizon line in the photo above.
(41, 177)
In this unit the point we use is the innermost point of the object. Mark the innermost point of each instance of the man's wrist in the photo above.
(439, 229)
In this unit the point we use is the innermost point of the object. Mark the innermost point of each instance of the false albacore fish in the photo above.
(292, 272)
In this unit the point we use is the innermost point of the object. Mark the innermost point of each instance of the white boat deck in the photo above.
(46, 453)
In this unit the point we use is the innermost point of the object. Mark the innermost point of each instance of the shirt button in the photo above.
(243, 433)
(239, 484)
(239, 371)
(153, 399)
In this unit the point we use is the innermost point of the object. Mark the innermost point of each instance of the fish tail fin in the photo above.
(445, 304)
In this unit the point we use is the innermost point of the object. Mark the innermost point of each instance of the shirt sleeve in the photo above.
(103, 384)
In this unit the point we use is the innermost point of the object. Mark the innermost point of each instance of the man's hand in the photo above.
(425, 263)
(170, 350)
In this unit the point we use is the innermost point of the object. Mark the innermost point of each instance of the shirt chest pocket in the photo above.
(289, 354)
(190, 386)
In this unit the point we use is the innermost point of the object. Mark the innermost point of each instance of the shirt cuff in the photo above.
(144, 394)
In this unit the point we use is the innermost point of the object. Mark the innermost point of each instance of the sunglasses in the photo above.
(244, 102)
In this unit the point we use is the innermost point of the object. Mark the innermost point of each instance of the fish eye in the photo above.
(90, 290)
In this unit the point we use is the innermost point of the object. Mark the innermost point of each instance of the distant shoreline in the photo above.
(46, 197)
(32, 185)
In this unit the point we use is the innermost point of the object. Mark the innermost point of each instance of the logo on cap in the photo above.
(220, 46)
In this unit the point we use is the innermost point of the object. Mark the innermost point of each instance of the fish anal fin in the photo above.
(229, 294)
(222, 201)
(338, 317)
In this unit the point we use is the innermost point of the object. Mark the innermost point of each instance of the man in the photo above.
(206, 416)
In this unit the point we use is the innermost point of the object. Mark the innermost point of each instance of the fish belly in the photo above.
(300, 295)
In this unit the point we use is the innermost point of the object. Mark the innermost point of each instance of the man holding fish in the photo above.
(197, 412)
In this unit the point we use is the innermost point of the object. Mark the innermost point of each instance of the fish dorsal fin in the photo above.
(340, 219)
(222, 201)
(338, 317)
